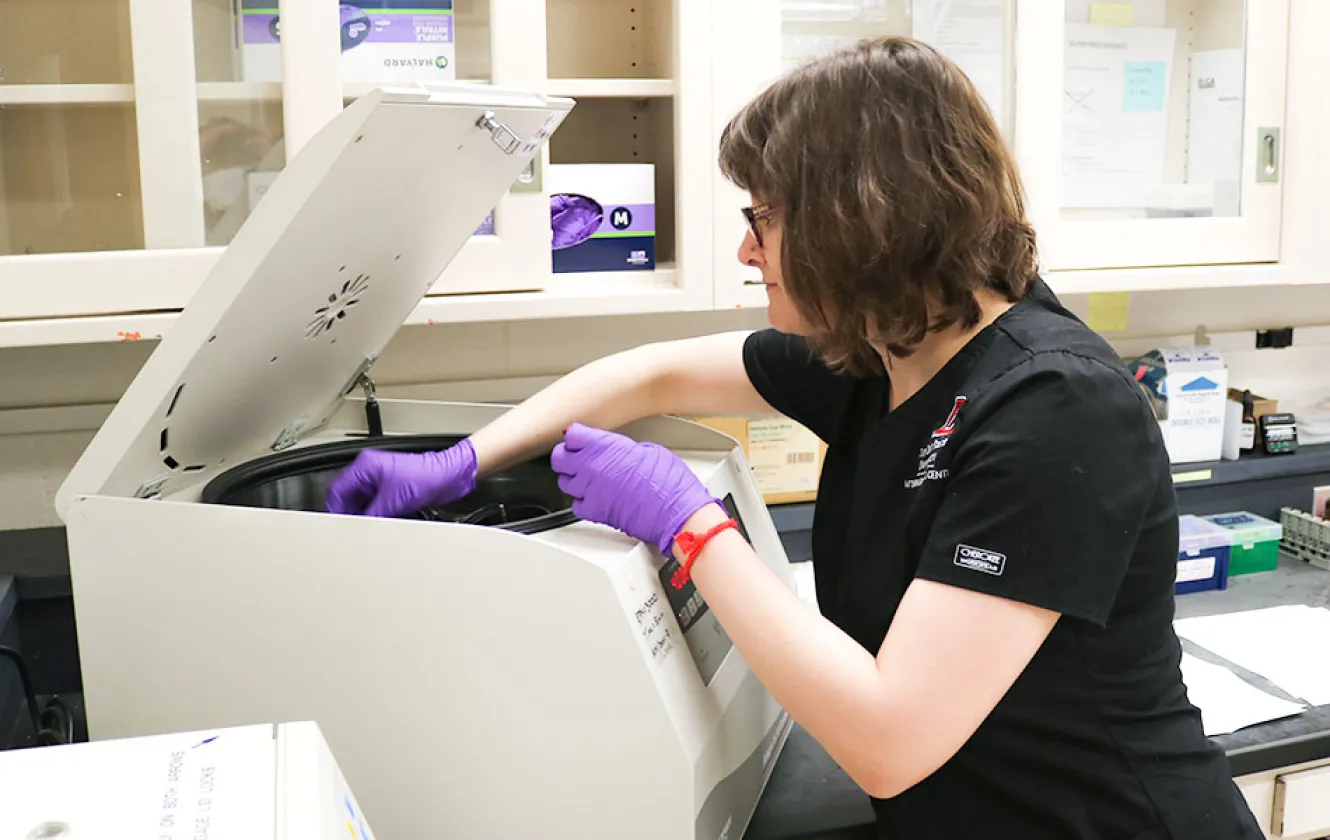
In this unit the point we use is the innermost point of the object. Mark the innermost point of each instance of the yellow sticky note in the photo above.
(1110, 14)
(1108, 311)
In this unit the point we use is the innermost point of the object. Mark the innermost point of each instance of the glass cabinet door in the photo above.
(1168, 133)
(240, 113)
(632, 153)
(619, 149)
(69, 162)
(137, 136)
(163, 143)
(405, 42)
(131, 145)
(979, 35)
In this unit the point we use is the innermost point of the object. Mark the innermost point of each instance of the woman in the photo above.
(996, 535)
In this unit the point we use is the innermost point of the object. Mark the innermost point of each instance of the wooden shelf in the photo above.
(569, 296)
(239, 91)
(103, 94)
(573, 88)
(1173, 278)
(1165, 279)
(611, 88)
(65, 94)
(355, 90)
(1311, 459)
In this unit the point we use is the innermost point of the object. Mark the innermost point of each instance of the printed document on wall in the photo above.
(971, 33)
(1115, 100)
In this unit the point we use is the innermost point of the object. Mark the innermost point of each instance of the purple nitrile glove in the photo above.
(641, 489)
(379, 483)
(573, 218)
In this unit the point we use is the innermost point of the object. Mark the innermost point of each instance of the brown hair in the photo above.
(896, 196)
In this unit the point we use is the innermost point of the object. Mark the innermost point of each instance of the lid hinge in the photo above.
(373, 419)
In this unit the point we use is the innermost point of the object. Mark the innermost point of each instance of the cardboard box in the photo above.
(382, 40)
(1187, 387)
(1261, 406)
(786, 458)
(603, 216)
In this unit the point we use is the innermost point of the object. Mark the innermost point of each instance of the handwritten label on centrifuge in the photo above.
(653, 625)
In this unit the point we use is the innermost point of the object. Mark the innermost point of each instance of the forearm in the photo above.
(607, 393)
(702, 375)
(822, 677)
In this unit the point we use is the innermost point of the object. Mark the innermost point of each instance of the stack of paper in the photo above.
(1285, 645)
(1227, 703)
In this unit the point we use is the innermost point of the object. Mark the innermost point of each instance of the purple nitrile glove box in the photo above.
(602, 216)
(382, 40)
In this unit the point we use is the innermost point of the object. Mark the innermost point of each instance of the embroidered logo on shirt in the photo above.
(980, 560)
(948, 427)
(928, 454)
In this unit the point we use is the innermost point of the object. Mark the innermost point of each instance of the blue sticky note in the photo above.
(1143, 85)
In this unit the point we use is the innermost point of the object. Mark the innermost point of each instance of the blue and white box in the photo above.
(1187, 387)
(602, 216)
(1203, 555)
(382, 40)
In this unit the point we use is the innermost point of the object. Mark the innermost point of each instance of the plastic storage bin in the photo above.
(1203, 550)
(1255, 541)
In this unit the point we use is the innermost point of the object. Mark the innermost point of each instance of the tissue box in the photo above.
(382, 40)
(603, 216)
(1186, 387)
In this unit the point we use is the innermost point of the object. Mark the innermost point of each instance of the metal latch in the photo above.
(503, 136)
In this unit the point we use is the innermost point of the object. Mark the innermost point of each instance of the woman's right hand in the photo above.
(380, 483)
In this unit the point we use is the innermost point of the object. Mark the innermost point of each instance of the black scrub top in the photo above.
(1030, 467)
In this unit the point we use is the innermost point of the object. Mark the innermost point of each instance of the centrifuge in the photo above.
(492, 668)
(258, 782)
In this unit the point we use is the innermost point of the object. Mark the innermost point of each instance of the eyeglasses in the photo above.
(757, 213)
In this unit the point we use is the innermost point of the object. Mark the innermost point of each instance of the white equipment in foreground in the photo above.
(259, 782)
(503, 671)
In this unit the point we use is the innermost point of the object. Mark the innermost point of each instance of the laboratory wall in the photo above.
(56, 396)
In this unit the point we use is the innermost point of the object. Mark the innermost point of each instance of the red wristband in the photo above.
(691, 545)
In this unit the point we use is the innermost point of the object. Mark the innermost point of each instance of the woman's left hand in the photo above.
(642, 489)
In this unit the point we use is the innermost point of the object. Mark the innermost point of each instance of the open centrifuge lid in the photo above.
(344, 245)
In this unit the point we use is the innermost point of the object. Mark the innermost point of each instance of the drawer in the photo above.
(1301, 803)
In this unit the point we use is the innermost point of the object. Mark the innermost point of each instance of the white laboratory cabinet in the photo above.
(1165, 144)
(1150, 134)
(256, 782)
(136, 137)
(494, 667)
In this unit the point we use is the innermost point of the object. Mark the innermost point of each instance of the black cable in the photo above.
(52, 722)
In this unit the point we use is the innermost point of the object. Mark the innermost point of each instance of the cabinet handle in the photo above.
(1267, 167)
